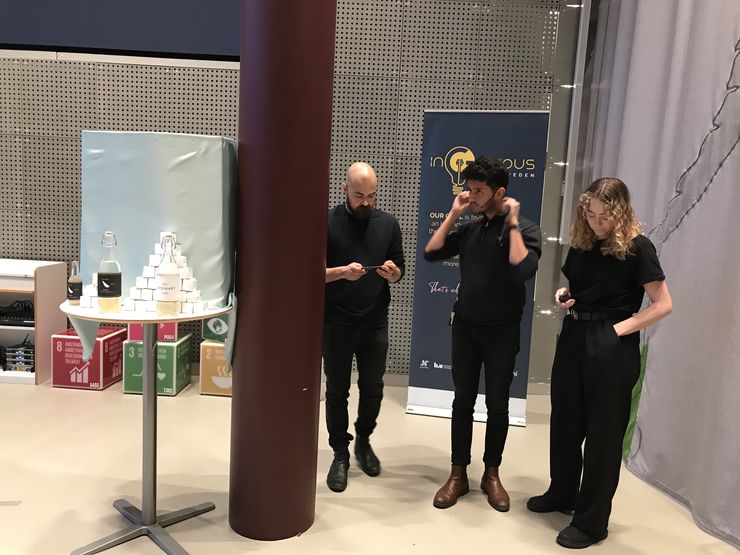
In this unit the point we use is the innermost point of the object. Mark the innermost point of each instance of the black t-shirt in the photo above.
(491, 289)
(599, 283)
(369, 242)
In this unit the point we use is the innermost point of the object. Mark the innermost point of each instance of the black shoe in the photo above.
(546, 504)
(336, 479)
(573, 538)
(366, 458)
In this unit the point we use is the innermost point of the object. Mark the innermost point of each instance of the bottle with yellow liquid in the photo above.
(167, 294)
(109, 276)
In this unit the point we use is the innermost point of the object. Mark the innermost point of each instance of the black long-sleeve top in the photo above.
(369, 242)
(491, 288)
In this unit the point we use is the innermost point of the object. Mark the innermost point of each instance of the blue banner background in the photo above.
(520, 139)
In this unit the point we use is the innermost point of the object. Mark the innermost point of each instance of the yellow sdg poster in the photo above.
(215, 374)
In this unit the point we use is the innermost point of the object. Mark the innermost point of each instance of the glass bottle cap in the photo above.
(109, 239)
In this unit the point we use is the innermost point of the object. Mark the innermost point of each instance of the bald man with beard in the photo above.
(363, 255)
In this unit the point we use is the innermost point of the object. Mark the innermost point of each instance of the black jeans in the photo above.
(369, 343)
(494, 346)
(593, 374)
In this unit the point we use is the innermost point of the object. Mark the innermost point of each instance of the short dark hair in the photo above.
(489, 170)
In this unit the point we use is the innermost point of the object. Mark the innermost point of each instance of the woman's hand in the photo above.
(561, 292)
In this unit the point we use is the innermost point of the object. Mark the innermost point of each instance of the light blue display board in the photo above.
(140, 184)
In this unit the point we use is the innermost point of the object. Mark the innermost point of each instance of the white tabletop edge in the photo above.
(131, 317)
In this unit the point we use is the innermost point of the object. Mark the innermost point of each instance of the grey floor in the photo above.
(66, 455)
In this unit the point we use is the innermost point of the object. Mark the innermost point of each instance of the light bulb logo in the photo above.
(456, 160)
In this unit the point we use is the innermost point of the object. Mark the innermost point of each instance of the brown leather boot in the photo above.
(494, 489)
(456, 486)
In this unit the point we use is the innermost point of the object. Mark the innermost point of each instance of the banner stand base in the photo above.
(438, 402)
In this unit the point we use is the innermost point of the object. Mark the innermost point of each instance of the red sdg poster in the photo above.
(104, 367)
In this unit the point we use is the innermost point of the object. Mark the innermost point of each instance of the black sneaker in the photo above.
(573, 538)
(336, 479)
(546, 504)
(366, 458)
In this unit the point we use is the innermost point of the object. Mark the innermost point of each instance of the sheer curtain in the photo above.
(663, 114)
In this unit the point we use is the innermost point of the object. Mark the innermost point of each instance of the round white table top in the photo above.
(132, 317)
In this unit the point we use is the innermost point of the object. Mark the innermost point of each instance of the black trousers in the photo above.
(593, 374)
(495, 347)
(369, 343)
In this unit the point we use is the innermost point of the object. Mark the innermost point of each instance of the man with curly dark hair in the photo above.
(499, 252)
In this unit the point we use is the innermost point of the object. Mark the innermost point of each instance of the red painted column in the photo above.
(285, 96)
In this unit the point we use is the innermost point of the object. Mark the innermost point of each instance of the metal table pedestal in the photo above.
(145, 521)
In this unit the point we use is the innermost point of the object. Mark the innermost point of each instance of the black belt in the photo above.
(606, 315)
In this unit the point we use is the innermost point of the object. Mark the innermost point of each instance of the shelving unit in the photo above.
(45, 284)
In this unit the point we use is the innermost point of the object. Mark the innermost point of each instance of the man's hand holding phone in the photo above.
(389, 271)
(353, 272)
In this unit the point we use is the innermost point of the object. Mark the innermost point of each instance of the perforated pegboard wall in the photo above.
(46, 103)
(169, 99)
(393, 59)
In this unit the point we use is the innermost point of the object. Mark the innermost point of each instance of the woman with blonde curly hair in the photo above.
(609, 267)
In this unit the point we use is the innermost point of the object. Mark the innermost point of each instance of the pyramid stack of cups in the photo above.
(167, 285)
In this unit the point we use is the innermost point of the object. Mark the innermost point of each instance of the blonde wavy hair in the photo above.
(616, 198)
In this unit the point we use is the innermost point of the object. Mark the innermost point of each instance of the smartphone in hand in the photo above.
(371, 267)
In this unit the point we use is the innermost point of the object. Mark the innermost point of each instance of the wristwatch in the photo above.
(514, 226)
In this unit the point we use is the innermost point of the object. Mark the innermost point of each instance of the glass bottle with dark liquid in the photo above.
(74, 285)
